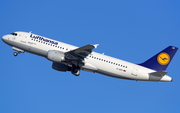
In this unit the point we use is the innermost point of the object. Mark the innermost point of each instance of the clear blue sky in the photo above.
(132, 30)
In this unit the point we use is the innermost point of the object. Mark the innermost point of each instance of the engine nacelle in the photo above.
(55, 56)
(60, 67)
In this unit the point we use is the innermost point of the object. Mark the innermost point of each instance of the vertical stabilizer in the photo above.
(160, 61)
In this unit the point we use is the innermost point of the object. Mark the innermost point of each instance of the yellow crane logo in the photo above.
(163, 58)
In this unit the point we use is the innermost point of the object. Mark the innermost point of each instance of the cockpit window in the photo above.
(15, 34)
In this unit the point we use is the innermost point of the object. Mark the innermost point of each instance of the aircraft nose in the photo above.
(4, 38)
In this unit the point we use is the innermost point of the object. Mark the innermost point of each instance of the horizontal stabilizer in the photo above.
(158, 73)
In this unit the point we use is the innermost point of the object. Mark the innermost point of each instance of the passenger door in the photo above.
(135, 70)
(24, 38)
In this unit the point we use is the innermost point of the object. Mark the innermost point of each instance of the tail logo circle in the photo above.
(163, 58)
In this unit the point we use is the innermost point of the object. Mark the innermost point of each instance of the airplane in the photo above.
(67, 57)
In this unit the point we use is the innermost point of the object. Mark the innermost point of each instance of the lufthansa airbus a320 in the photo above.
(67, 57)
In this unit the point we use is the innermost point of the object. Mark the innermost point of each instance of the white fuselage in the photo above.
(94, 62)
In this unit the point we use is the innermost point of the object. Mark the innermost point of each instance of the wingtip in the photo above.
(95, 46)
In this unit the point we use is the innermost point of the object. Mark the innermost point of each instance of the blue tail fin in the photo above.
(160, 61)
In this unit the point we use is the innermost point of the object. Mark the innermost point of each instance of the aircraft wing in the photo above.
(80, 53)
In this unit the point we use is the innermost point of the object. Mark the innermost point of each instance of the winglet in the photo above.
(95, 46)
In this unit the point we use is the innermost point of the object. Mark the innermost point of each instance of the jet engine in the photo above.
(55, 56)
(60, 67)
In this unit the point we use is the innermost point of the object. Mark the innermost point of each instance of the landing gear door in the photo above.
(135, 70)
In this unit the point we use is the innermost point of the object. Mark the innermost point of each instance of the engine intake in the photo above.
(55, 56)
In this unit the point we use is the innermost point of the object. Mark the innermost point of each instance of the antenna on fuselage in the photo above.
(30, 32)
